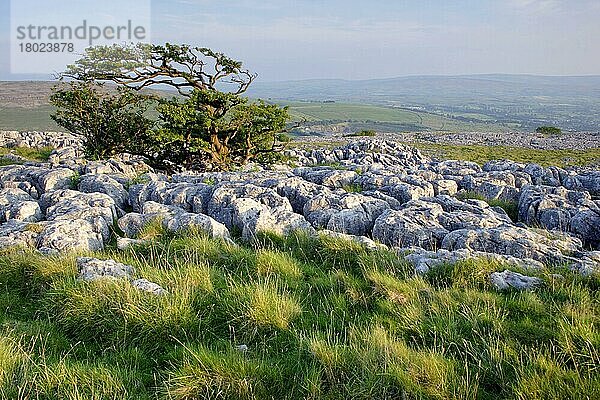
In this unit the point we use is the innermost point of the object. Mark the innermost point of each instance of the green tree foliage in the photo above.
(210, 126)
(225, 126)
(549, 130)
(110, 123)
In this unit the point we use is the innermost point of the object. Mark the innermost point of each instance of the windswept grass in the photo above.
(30, 154)
(289, 318)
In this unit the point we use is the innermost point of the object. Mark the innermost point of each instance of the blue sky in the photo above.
(303, 39)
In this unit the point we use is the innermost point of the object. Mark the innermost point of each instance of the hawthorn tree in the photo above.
(548, 130)
(210, 125)
(109, 122)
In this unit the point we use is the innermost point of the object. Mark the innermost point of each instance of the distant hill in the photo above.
(571, 102)
(416, 103)
(25, 106)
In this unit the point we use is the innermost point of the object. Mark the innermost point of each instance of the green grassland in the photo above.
(27, 119)
(483, 154)
(384, 119)
(321, 319)
(381, 118)
(25, 106)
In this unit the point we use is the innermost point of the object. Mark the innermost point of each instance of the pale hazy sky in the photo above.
(302, 39)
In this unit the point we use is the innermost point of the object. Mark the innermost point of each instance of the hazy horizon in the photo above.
(33, 78)
(313, 39)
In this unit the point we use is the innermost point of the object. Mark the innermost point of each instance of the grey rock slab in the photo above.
(252, 217)
(18, 234)
(69, 235)
(414, 225)
(18, 205)
(350, 213)
(149, 287)
(172, 218)
(508, 279)
(91, 269)
(107, 185)
(506, 240)
(56, 179)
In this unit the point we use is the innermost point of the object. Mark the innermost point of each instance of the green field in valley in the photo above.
(383, 119)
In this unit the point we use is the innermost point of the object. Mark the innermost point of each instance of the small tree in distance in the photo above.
(548, 130)
(209, 126)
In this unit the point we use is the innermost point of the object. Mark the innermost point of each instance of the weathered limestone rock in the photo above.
(508, 279)
(192, 197)
(18, 205)
(507, 240)
(556, 208)
(18, 234)
(414, 225)
(445, 187)
(424, 260)
(56, 179)
(91, 269)
(107, 185)
(172, 218)
(350, 213)
(71, 234)
(149, 287)
(327, 177)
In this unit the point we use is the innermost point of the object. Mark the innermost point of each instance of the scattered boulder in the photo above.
(91, 269)
(508, 279)
(149, 287)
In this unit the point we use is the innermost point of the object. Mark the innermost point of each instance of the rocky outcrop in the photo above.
(172, 218)
(556, 208)
(375, 192)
